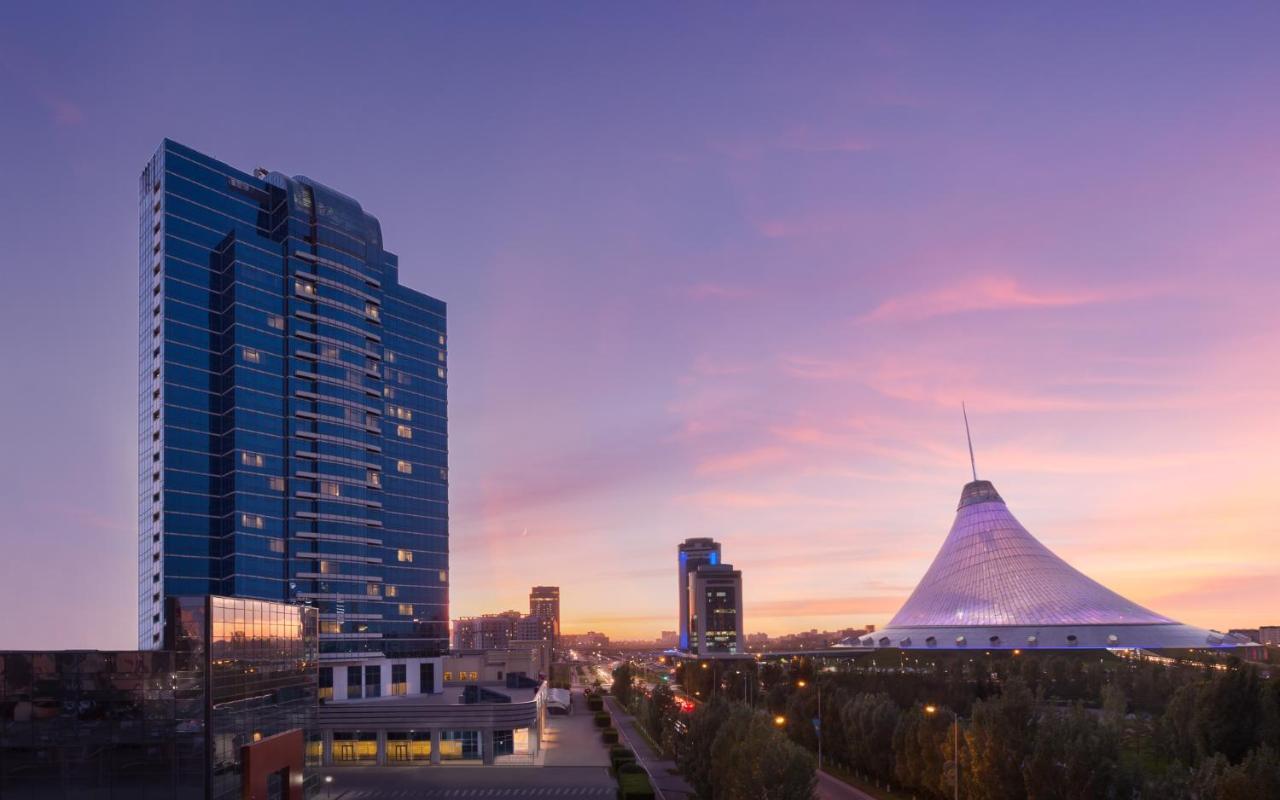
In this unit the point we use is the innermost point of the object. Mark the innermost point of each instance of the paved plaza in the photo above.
(403, 783)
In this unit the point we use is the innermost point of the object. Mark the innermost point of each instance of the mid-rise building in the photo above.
(1269, 635)
(544, 602)
(292, 410)
(691, 554)
(487, 631)
(715, 597)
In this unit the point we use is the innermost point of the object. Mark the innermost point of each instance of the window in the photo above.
(373, 590)
(371, 309)
(252, 521)
(399, 679)
(374, 477)
(426, 678)
(326, 683)
(327, 568)
(399, 412)
(448, 676)
(404, 431)
(276, 545)
(440, 372)
(250, 355)
(442, 340)
(275, 321)
(404, 467)
(444, 576)
(389, 356)
(330, 488)
(392, 591)
(276, 484)
(305, 288)
(330, 626)
(406, 609)
(373, 680)
(251, 459)
(353, 682)
(475, 676)
(404, 555)
(439, 355)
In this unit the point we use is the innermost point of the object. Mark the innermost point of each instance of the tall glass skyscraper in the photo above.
(292, 410)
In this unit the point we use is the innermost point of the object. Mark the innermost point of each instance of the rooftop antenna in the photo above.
(972, 465)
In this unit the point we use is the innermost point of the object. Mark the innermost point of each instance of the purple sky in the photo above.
(711, 271)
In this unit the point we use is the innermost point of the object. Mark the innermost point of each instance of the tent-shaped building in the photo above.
(995, 586)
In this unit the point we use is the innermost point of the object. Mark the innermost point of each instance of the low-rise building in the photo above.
(223, 711)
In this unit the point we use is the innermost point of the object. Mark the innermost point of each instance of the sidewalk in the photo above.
(666, 785)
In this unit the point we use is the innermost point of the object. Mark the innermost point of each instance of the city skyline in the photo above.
(756, 325)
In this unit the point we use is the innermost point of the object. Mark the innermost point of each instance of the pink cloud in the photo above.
(743, 460)
(987, 293)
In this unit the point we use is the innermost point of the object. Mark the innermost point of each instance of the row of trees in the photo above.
(1219, 730)
(734, 752)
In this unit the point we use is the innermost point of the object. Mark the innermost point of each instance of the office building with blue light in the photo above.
(292, 414)
(693, 557)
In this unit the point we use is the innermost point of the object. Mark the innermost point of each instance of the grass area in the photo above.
(862, 785)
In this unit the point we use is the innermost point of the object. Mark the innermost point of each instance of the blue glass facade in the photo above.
(292, 409)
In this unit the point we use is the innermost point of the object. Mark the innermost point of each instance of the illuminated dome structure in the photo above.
(995, 586)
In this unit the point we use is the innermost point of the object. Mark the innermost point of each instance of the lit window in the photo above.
(439, 355)
(371, 309)
(406, 609)
(392, 591)
(277, 545)
(440, 372)
(404, 431)
(389, 357)
(326, 568)
(250, 355)
(374, 477)
(275, 321)
(404, 555)
(252, 521)
(329, 626)
(404, 467)
(251, 459)
(305, 287)
(372, 590)
(399, 412)
(475, 676)
(444, 576)
(276, 484)
(330, 488)
(442, 340)
(448, 676)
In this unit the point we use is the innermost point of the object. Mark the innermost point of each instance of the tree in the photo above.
(996, 742)
(623, 683)
(869, 721)
(752, 760)
(921, 748)
(693, 756)
(1074, 757)
(659, 709)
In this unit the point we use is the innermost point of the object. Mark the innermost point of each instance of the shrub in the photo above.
(595, 702)
(620, 754)
(602, 719)
(609, 735)
(634, 785)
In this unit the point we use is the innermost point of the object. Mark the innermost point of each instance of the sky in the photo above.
(717, 270)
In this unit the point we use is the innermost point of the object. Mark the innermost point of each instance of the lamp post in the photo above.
(955, 746)
(817, 724)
